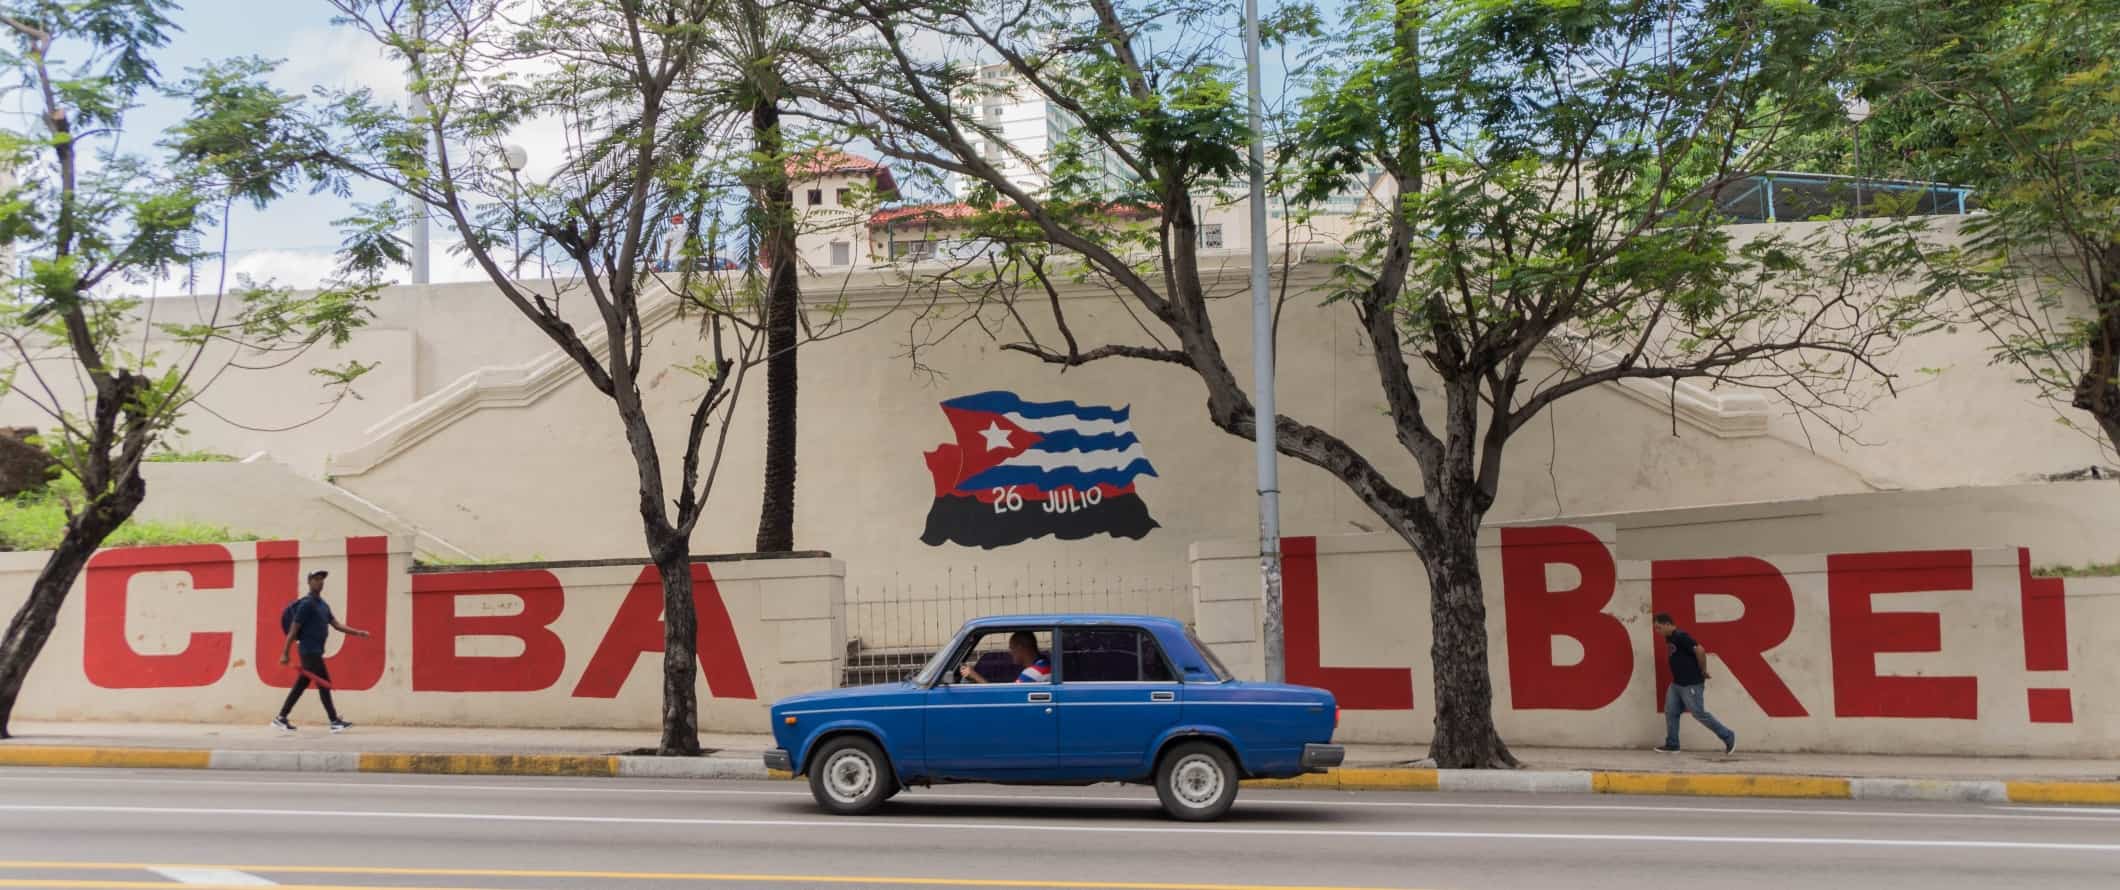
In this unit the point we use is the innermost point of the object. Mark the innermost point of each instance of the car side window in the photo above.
(994, 656)
(1112, 655)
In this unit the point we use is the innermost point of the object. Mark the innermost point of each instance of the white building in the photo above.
(1023, 132)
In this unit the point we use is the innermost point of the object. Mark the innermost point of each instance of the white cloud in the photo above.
(340, 58)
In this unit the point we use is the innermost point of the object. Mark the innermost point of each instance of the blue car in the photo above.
(1058, 700)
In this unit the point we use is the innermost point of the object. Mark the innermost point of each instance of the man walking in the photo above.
(1689, 686)
(309, 623)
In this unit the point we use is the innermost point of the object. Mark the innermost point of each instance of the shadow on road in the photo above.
(942, 808)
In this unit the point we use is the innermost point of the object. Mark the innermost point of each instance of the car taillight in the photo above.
(1336, 717)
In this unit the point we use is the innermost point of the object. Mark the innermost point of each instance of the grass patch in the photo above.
(191, 457)
(446, 562)
(37, 521)
(2094, 570)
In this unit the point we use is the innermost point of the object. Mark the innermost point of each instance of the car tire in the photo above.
(1197, 782)
(850, 776)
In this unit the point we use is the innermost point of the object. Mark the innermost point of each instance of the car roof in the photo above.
(1065, 619)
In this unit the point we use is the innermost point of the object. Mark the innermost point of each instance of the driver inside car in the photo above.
(1023, 648)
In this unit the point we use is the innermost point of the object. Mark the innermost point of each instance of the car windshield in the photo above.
(1214, 664)
(934, 664)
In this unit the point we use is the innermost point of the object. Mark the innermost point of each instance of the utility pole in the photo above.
(1264, 432)
(421, 249)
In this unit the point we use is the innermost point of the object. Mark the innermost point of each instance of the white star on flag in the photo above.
(996, 437)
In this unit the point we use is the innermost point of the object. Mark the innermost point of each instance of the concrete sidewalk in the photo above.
(1380, 767)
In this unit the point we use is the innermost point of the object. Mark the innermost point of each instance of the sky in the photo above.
(293, 241)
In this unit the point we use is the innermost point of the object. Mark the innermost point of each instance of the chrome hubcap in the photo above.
(1197, 780)
(848, 776)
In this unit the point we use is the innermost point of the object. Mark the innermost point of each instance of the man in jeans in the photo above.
(1689, 686)
(311, 625)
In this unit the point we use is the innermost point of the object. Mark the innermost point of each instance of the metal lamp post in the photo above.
(516, 157)
(1264, 431)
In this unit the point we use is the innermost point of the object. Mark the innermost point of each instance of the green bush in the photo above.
(2095, 570)
(191, 457)
(37, 520)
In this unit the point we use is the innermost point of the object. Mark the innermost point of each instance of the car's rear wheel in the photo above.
(1197, 782)
(851, 776)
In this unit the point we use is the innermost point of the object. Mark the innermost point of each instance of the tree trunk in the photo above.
(32, 625)
(776, 520)
(2098, 390)
(680, 718)
(1465, 737)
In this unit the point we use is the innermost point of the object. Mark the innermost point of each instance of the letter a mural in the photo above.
(1021, 470)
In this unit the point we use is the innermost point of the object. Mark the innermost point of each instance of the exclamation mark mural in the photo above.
(2045, 640)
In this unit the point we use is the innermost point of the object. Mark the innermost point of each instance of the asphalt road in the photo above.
(109, 828)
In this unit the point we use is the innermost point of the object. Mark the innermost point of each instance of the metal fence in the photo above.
(894, 627)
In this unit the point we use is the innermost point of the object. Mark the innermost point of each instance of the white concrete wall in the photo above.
(1944, 654)
(536, 466)
(174, 634)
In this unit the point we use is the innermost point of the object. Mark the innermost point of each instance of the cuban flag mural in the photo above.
(1021, 470)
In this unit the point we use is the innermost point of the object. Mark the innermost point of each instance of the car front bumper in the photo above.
(778, 759)
(1319, 758)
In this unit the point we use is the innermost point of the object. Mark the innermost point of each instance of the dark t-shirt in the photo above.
(1685, 666)
(312, 622)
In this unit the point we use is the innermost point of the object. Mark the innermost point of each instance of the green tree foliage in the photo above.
(2021, 101)
(88, 220)
(1538, 177)
(668, 107)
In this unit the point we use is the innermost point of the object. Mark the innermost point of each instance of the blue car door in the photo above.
(1117, 696)
(998, 729)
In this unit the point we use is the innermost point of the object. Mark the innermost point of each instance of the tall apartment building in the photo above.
(1026, 130)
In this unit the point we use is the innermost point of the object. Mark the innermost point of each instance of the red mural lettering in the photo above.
(436, 627)
(637, 629)
(1357, 689)
(1860, 633)
(2045, 605)
(108, 658)
(1534, 614)
(1741, 643)
(363, 603)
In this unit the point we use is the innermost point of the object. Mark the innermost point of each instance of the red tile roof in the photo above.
(943, 211)
(830, 161)
(933, 212)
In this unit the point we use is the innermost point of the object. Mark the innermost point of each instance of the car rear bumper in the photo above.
(778, 759)
(1319, 758)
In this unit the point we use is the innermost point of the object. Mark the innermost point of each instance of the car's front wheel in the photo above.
(850, 776)
(1197, 782)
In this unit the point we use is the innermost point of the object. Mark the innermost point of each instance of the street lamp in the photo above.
(1265, 433)
(1858, 110)
(516, 158)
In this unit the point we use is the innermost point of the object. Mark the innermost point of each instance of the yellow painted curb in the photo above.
(132, 758)
(491, 764)
(1711, 785)
(1355, 778)
(2064, 792)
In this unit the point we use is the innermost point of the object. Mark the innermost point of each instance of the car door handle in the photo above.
(1162, 696)
(1041, 697)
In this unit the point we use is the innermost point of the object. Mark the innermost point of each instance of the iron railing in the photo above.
(893, 628)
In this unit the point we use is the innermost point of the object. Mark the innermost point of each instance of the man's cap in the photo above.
(318, 573)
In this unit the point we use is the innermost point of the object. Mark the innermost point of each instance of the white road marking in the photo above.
(1269, 797)
(988, 828)
(213, 877)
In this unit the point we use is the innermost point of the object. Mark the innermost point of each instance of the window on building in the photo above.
(993, 112)
(843, 197)
(842, 253)
(1211, 236)
(910, 249)
(816, 197)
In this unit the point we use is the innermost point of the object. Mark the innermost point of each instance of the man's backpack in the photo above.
(287, 616)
